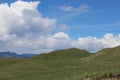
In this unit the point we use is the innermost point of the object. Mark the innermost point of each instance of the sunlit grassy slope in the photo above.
(72, 53)
(69, 64)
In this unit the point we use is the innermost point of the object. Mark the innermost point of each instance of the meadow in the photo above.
(69, 64)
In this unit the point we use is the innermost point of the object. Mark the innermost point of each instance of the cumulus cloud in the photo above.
(40, 44)
(94, 44)
(61, 35)
(22, 18)
(21, 23)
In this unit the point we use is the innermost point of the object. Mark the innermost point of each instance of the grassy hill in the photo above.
(69, 64)
(72, 53)
(106, 55)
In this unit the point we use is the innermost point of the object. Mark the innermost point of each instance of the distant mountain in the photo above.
(64, 54)
(12, 54)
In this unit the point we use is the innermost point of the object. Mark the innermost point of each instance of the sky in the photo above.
(39, 26)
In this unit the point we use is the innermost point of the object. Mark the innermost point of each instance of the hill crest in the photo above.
(64, 54)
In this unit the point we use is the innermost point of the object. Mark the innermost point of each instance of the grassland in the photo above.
(70, 64)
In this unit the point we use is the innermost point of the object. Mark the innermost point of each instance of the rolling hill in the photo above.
(71, 53)
(69, 64)
(107, 55)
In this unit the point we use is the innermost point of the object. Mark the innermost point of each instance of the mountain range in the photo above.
(15, 55)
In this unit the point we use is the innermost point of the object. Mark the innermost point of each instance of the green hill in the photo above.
(72, 53)
(108, 55)
(69, 64)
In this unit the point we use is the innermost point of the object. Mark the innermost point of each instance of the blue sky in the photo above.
(102, 12)
(83, 24)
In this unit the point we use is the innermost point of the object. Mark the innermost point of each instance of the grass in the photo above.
(70, 64)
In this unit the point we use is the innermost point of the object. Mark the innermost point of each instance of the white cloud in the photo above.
(73, 11)
(40, 44)
(67, 8)
(21, 24)
(61, 35)
(22, 18)
(63, 27)
(94, 44)
(81, 9)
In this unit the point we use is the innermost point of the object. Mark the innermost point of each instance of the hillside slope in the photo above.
(69, 64)
(71, 53)
(108, 54)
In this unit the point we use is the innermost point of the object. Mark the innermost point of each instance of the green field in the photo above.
(69, 64)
